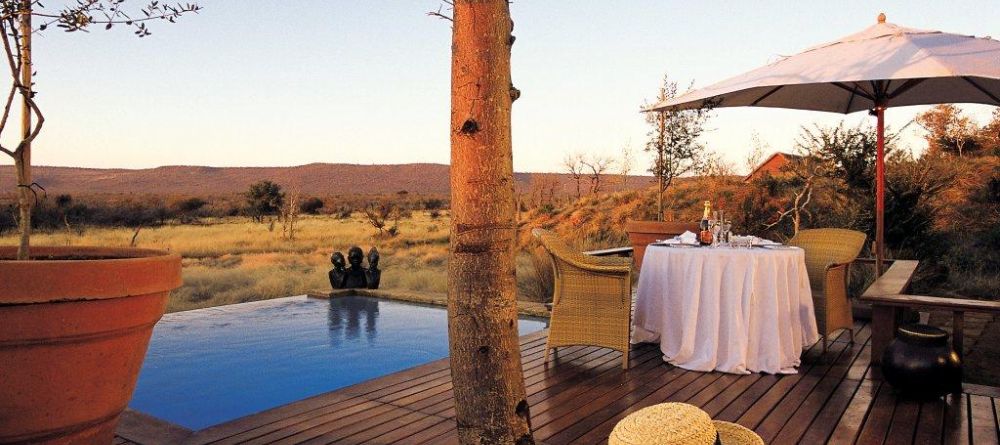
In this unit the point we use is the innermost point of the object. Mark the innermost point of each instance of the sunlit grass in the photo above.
(235, 260)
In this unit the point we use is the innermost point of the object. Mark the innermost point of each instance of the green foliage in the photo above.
(264, 198)
(674, 139)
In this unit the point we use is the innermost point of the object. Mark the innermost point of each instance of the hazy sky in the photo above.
(288, 82)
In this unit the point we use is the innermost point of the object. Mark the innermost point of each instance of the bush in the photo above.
(190, 205)
(311, 206)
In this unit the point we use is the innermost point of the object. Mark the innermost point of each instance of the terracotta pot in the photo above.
(641, 233)
(74, 326)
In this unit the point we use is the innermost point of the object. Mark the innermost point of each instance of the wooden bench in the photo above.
(888, 298)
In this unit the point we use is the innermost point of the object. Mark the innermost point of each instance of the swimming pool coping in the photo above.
(528, 308)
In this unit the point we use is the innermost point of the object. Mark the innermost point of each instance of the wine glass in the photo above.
(716, 231)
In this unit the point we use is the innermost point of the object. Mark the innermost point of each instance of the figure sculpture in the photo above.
(373, 274)
(338, 273)
(355, 276)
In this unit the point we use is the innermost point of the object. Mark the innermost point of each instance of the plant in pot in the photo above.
(74, 321)
(673, 141)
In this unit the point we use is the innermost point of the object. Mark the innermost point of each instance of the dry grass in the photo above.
(234, 260)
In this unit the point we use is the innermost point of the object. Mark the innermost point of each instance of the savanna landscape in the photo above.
(238, 249)
(171, 243)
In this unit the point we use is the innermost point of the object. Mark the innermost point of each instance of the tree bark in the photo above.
(490, 401)
(22, 160)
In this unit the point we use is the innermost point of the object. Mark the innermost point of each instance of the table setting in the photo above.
(715, 301)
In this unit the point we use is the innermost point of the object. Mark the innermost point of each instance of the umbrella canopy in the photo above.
(902, 66)
(884, 65)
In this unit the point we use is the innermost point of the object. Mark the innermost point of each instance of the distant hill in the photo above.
(311, 179)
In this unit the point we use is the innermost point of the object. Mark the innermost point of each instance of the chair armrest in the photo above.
(606, 265)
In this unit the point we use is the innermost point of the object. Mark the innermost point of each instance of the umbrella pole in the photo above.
(880, 192)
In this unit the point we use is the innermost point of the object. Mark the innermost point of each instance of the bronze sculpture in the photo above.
(355, 276)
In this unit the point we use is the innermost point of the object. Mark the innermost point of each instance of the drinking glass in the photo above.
(716, 231)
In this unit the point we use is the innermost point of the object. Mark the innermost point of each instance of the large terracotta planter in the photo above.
(641, 233)
(74, 326)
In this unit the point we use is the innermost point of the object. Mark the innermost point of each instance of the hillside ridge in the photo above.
(322, 179)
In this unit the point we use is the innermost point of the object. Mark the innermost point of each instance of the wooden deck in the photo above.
(583, 392)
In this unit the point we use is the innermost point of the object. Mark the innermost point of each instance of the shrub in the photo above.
(311, 206)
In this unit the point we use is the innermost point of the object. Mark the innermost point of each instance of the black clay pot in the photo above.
(919, 363)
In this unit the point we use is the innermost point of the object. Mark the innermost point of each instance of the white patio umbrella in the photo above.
(884, 65)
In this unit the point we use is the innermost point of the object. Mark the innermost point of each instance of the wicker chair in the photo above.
(829, 253)
(592, 299)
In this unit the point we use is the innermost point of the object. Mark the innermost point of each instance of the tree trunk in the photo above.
(22, 162)
(661, 124)
(490, 402)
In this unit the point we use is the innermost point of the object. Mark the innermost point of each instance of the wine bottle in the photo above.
(705, 236)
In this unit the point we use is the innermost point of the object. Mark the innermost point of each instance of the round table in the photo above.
(723, 309)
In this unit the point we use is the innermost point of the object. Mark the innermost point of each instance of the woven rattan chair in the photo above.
(592, 298)
(829, 253)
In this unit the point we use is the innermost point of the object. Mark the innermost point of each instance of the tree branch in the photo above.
(442, 15)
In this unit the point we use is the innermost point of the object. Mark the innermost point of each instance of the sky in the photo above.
(291, 82)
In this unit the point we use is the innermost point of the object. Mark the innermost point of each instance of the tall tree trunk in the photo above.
(661, 126)
(22, 161)
(490, 402)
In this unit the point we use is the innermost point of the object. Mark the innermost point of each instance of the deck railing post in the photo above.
(883, 329)
(958, 332)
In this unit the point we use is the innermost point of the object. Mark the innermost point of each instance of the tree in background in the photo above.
(989, 135)
(673, 140)
(290, 216)
(758, 149)
(626, 164)
(573, 163)
(264, 198)
(190, 208)
(16, 33)
(491, 406)
(378, 213)
(949, 130)
(597, 167)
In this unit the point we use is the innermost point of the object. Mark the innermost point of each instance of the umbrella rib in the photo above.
(905, 87)
(754, 103)
(983, 90)
(850, 100)
(856, 90)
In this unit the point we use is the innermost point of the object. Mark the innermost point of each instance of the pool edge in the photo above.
(528, 308)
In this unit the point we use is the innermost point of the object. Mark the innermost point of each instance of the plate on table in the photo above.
(778, 247)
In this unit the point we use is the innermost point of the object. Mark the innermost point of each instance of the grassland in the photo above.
(234, 260)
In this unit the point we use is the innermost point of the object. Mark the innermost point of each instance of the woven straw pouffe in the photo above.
(679, 423)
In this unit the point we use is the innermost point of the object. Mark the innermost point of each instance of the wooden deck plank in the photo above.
(879, 418)
(581, 369)
(956, 420)
(788, 422)
(428, 434)
(668, 392)
(822, 426)
(850, 422)
(931, 423)
(580, 420)
(903, 428)
(983, 424)
(404, 434)
(794, 387)
(580, 396)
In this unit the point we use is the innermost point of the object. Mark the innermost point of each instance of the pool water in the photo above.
(208, 366)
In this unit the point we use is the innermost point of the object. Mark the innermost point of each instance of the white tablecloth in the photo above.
(729, 310)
